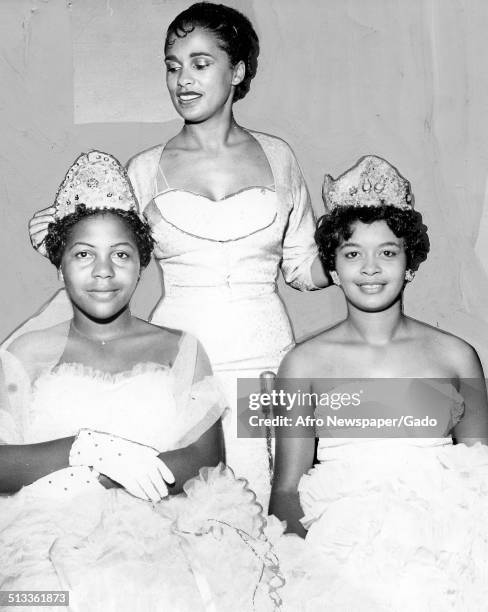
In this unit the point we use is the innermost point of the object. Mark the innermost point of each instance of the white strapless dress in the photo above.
(394, 525)
(204, 550)
(219, 263)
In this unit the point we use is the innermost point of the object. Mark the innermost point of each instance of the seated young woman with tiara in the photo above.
(393, 514)
(104, 418)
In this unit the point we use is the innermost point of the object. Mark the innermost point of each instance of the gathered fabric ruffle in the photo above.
(398, 526)
(202, 550)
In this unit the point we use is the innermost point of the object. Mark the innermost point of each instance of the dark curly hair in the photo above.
(234, 32)
(337, 226)
(59, 231)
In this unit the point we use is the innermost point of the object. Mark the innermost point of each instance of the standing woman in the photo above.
(228, 207)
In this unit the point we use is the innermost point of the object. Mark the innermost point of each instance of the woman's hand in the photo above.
(135, 466)
(38, 228)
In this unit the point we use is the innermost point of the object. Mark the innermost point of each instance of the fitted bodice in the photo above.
(155, 404)
(235, 244)
(138, 404)
(423, 412)
(229, 249)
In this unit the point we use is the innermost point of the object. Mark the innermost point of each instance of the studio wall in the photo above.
(337, 79)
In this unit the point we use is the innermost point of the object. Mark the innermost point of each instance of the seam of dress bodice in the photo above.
(244, 214)
(256, 231)
(95, 375)
(82, 370)
(229, 196)
(99, 395)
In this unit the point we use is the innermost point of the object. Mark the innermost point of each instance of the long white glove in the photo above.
(134, 466)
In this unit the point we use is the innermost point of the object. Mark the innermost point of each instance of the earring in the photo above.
(60, 275)
(335, 278)
(409, 275)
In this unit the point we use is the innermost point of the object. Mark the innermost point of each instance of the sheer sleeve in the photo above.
(30, 350)
(299, 248)
(142, 169)
(14, 398)
(56, 310)
(200, 401)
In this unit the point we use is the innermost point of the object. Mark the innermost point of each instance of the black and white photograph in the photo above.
(244, 306)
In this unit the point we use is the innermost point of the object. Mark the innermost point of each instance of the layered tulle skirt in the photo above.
(204, 550)
(397, 525)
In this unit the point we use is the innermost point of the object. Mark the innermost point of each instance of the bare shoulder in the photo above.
(157, 333)
(448, 348)
(156, 343)
(40, 345)
(313, 354)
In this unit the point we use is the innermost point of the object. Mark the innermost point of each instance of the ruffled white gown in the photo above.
(203, 550)
(219, 263)
(394, 525)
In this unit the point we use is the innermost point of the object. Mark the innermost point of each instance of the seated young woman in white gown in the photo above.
(393, 520)
(103, 420)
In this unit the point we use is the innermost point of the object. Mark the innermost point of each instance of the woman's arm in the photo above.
(473, 427)
(301, 265)
(23, 464)
(185, 463)
(295, 446)
(142, 170)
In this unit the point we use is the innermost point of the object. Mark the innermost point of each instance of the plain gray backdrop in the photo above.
(337, 79)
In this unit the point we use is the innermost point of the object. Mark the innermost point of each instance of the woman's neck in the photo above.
(102, 331)
(213, 134)
(376, 328)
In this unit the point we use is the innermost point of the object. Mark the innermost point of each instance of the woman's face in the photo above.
(371, 266)
(100, 266)
(199, 76)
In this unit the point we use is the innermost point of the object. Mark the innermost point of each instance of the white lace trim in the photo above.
(82, 370)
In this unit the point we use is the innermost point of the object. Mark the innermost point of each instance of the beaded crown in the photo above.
(97, 180)
(372, 181)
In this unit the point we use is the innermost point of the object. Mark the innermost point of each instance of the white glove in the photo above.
(135, 466)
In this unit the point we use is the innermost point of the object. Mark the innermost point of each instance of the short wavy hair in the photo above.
(60, 230)
(233, 30)
(337, 226)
